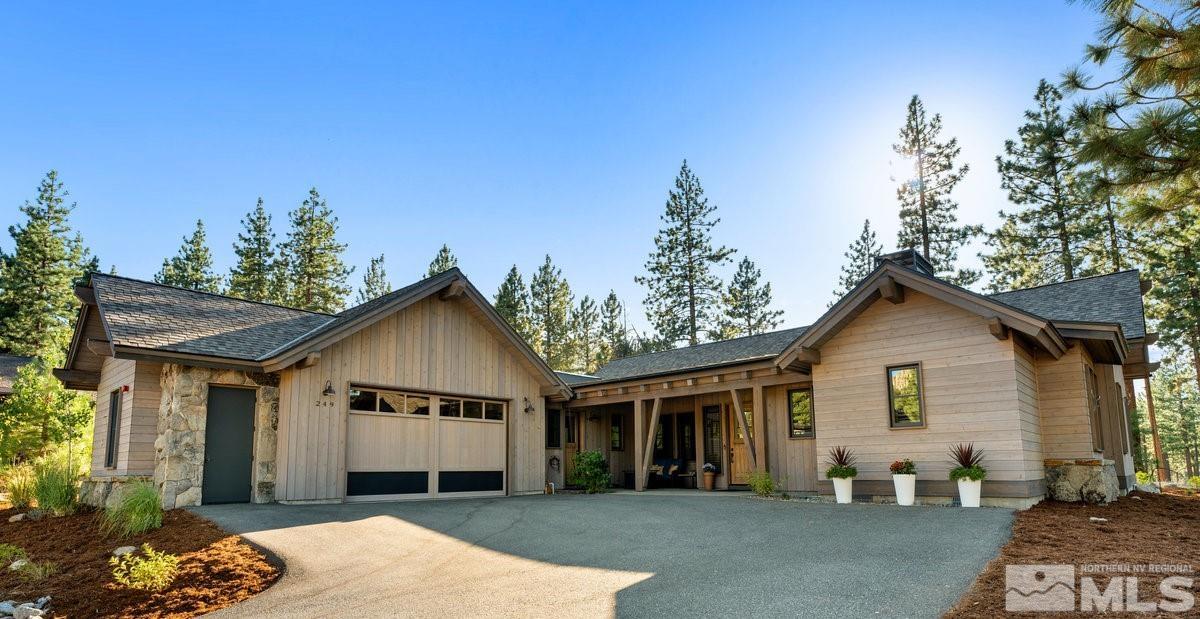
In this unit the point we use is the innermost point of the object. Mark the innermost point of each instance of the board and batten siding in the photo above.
(970, 384)
(139, 416)
(431, 346)
(1062, 400)
(792, 461)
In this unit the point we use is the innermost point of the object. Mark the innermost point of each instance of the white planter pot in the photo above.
(843, 489)
(906, 488)
(968, 492)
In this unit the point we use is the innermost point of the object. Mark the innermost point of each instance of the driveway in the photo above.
(637, 555)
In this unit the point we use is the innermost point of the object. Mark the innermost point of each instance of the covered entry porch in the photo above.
(661, 433)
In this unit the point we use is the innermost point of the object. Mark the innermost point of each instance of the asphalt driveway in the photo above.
(651, 554)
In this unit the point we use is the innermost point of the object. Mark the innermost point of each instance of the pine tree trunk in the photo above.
(921, 200)
(1113, 241)
(1064, 241)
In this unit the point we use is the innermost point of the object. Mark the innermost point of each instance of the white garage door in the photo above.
(405, 445)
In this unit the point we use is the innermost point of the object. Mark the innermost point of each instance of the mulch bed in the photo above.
(216, 569)
(1142, 529)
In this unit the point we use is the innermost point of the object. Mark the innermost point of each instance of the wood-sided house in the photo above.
(426, 392)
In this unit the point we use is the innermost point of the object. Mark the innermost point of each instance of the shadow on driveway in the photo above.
(624, 554)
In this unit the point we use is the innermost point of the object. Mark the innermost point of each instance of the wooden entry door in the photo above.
(570, 443)
(739, 452)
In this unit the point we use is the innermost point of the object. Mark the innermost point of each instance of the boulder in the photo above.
(1088, 482)
(1147, 488)
(124, 550)
(25, 611)
(7, 607)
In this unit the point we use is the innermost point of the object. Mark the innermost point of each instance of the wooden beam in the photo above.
(1150, 338)
(651, 432)
(890, 290)
(78, 377)
(740, 415)
(309, 360)
(102, 348)
(698, 439)
(86, 294)
(456, 289)
(1160, 470)
(691, 382)
(760, 424)
(997, 328)
(1145, 285)
(639, 443)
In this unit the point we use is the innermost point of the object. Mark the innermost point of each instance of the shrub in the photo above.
(761, 483)
(1193, 482)
(19, 484)
(54, 488)
(968, 463)
(903, 467)
(973, 473)
(10, 553)
(841, 463)
(591, 472)
(138, 511)
(1143, 478)
(153, 572)
(34, 571)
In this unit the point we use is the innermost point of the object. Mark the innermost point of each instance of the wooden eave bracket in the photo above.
(86, 294)
(798, 357)
(891, 290)
(997, 328)
(309, 360)
(102, 348)
(456, 289)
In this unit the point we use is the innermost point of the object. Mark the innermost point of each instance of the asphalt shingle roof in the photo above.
(1116, 297)
(153, 316)
(725, 352)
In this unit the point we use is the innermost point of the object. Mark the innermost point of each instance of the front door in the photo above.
(739, 453)
(228, 445)
(570, 443)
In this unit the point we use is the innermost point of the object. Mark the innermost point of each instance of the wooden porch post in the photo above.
(741, 420)
(650, 433)
(760, 428)
(698, 440)
(639, 443)
(1160, 472)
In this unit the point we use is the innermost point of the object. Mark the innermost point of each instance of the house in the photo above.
(427, 392)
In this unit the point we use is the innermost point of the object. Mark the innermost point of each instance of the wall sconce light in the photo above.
(529, 406)
(554, 463)
(328, 388)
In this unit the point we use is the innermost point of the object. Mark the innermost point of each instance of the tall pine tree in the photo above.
(192, 267)
(928, 214)
(1047, 238)
(375, 283)
(860, 261)
(551, 302)
(315, 271)
(512, 302)
(442, 262)
(585, 335)
(746, 304)
(257, 275)
(37, 280)
(683, 293)
(614, 335)
(1172, 259)
(1114, 243)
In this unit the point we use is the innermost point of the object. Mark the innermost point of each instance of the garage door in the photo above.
(405, 445)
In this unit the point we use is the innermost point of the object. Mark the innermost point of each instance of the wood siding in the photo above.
(431, 346)
(1029, 411)
(139, 416)
(970, 385)
(1062, 400)
(792, 461)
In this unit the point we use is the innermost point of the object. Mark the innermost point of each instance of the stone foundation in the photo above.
(182, 416)
(103, 492)
(1090, 481)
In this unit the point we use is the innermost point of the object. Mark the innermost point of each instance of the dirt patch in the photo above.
(1141, 529)
(216, 569)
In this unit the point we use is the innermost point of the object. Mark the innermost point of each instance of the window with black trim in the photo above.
(114, 429)
(617, 433)
(553, 428)
(378, 401)
(572, 426)
(904, 396)
(1093, 396)
(800, 413)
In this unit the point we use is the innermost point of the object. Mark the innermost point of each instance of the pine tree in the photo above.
(314, 267)
(746, 305)
(684, 295)
(257, 276)
(860, 261)
(928, 215)
(585, 335)
(1114, 243)
(37, 279)
(192, 267)
(40, 412)
(375, 283)
(551, 302)
(442, 262)
(1045, 241)
(614, 335)
(1172, 260)
(512, 302)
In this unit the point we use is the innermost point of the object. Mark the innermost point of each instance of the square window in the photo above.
(450, 408)
(391, 402)
(493, 411)
(472, 409)
(416, 405)
(800, 413)
(362, 400)
(904, 396)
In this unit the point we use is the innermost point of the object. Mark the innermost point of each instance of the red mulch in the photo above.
(216, 569)
(1157, 529)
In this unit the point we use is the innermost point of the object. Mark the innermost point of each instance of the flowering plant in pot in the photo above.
(710, 475)
(841, 470)
(968, 472)
(904, 478)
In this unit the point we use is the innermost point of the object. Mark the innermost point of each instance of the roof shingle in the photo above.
(737, 350)
(1113, 298)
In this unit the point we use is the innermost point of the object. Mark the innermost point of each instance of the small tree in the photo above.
(746, 304)
(551, 307)
(315, 271)
(585, 335)
(192, 267)
(442, 262)
(375, 283)
(614, 335)
(860, 261)
(41, 412)
(257, 275)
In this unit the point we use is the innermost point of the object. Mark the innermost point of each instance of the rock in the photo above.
(1082, 482)
(124, 550)
(1095, 519)
(42, 602)
(1147, 488)
(16, 518)
(18, 564)
(1137, 498)
(7, 607)
(25, 611)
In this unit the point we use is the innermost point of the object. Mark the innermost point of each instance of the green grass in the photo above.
(35, 571)
(10, 553)
(55, 490)
(139, 510)
(18, 481)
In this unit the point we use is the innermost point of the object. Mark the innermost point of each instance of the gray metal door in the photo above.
(228, 445)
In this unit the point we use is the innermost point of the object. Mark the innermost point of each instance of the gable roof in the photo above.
(1112, 298)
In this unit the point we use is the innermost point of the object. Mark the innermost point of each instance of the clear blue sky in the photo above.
(512, 131)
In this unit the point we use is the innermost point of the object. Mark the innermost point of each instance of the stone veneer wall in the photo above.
(182, 414)
(1090, 481)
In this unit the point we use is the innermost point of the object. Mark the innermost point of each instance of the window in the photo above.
(553, 428)
(450, 408)
(617, 434)
(114, 429)
(571, 427)
(800, 413)
(712, 436)
(374, 401)
(472, 409)
(493, 411)
(904, 396)
(1093, 396)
